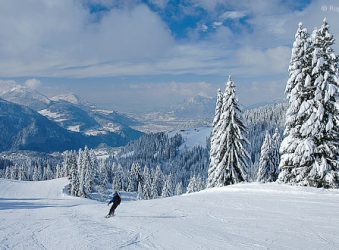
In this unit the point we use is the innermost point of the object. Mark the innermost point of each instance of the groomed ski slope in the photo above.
(38, 215)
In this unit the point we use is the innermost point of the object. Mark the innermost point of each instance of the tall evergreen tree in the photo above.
(233, 159)
(74, 175)
(192, 185)
(36, 173)
(295, 153)
(167, 190)
(215, 139)
(22, 174)
(14, 172)
(103, 174)
(58, 173)
(88, 172)
(81, 172)
(8, 172)
(154, 191)
(48, 172)
(310, 147)
(134, 177)
(158, 182)
(66, 165)
(268, 171)
(147, 184)
(140, 193)
(322, 126)
(179, 189)
(276, 141)
(118, 179)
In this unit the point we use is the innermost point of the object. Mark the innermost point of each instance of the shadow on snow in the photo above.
(13, 203)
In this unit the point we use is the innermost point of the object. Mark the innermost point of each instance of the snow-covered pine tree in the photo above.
(201, 184)
(14, 172)
(134, 177)
(322, 126)
(118, 179)
(215, 139)
(140, 193)
(154, 191)
(267, 171)
(74, 175)
(276, 141)
(21, 173)
(8, 172)
(179, 189)
(147, 184)
(158, 182)
(81, 173)
(103, 174)
(66, 165)
(44, 174)
(233, 159)
(310, 151)
(192, 185)
(94, 167)
(167, 190)
(88, 172)
(294, 150)
(58, 173)
(36, 173)
(49, 172)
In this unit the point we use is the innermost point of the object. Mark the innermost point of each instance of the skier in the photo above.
(116, 201)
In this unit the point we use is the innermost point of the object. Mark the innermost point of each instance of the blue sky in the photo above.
(140, 56)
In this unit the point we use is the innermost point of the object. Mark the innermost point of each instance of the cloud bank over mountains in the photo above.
(189, 41)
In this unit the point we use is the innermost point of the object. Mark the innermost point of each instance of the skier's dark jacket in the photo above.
(116, 199)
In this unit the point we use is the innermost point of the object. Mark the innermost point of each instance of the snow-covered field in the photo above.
(193, 136)
(38, 215)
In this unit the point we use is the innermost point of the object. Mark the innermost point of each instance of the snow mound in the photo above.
(38, 215)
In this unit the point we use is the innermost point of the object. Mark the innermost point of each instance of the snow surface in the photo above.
(111, 127)
(74, 128)
(103, 111)
(95, 132)
(193, 136)
(49, 114)
(38, 215)
(71, 98)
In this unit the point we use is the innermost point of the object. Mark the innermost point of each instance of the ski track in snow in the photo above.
(38, 215)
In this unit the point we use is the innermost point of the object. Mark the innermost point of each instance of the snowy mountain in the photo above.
(73, 114)
(71, 98)
(39, 215)
(13, 92)
(69, 116)
(90, 120)
(197, 107)
(23, 128)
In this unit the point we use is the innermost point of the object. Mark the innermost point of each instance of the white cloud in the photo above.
(261, 91)
(45, 37)
(264, 62)
(33, 83)
(232, 15)
(184, 89)
(61, 38)
(203, 27)
(217, 24)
